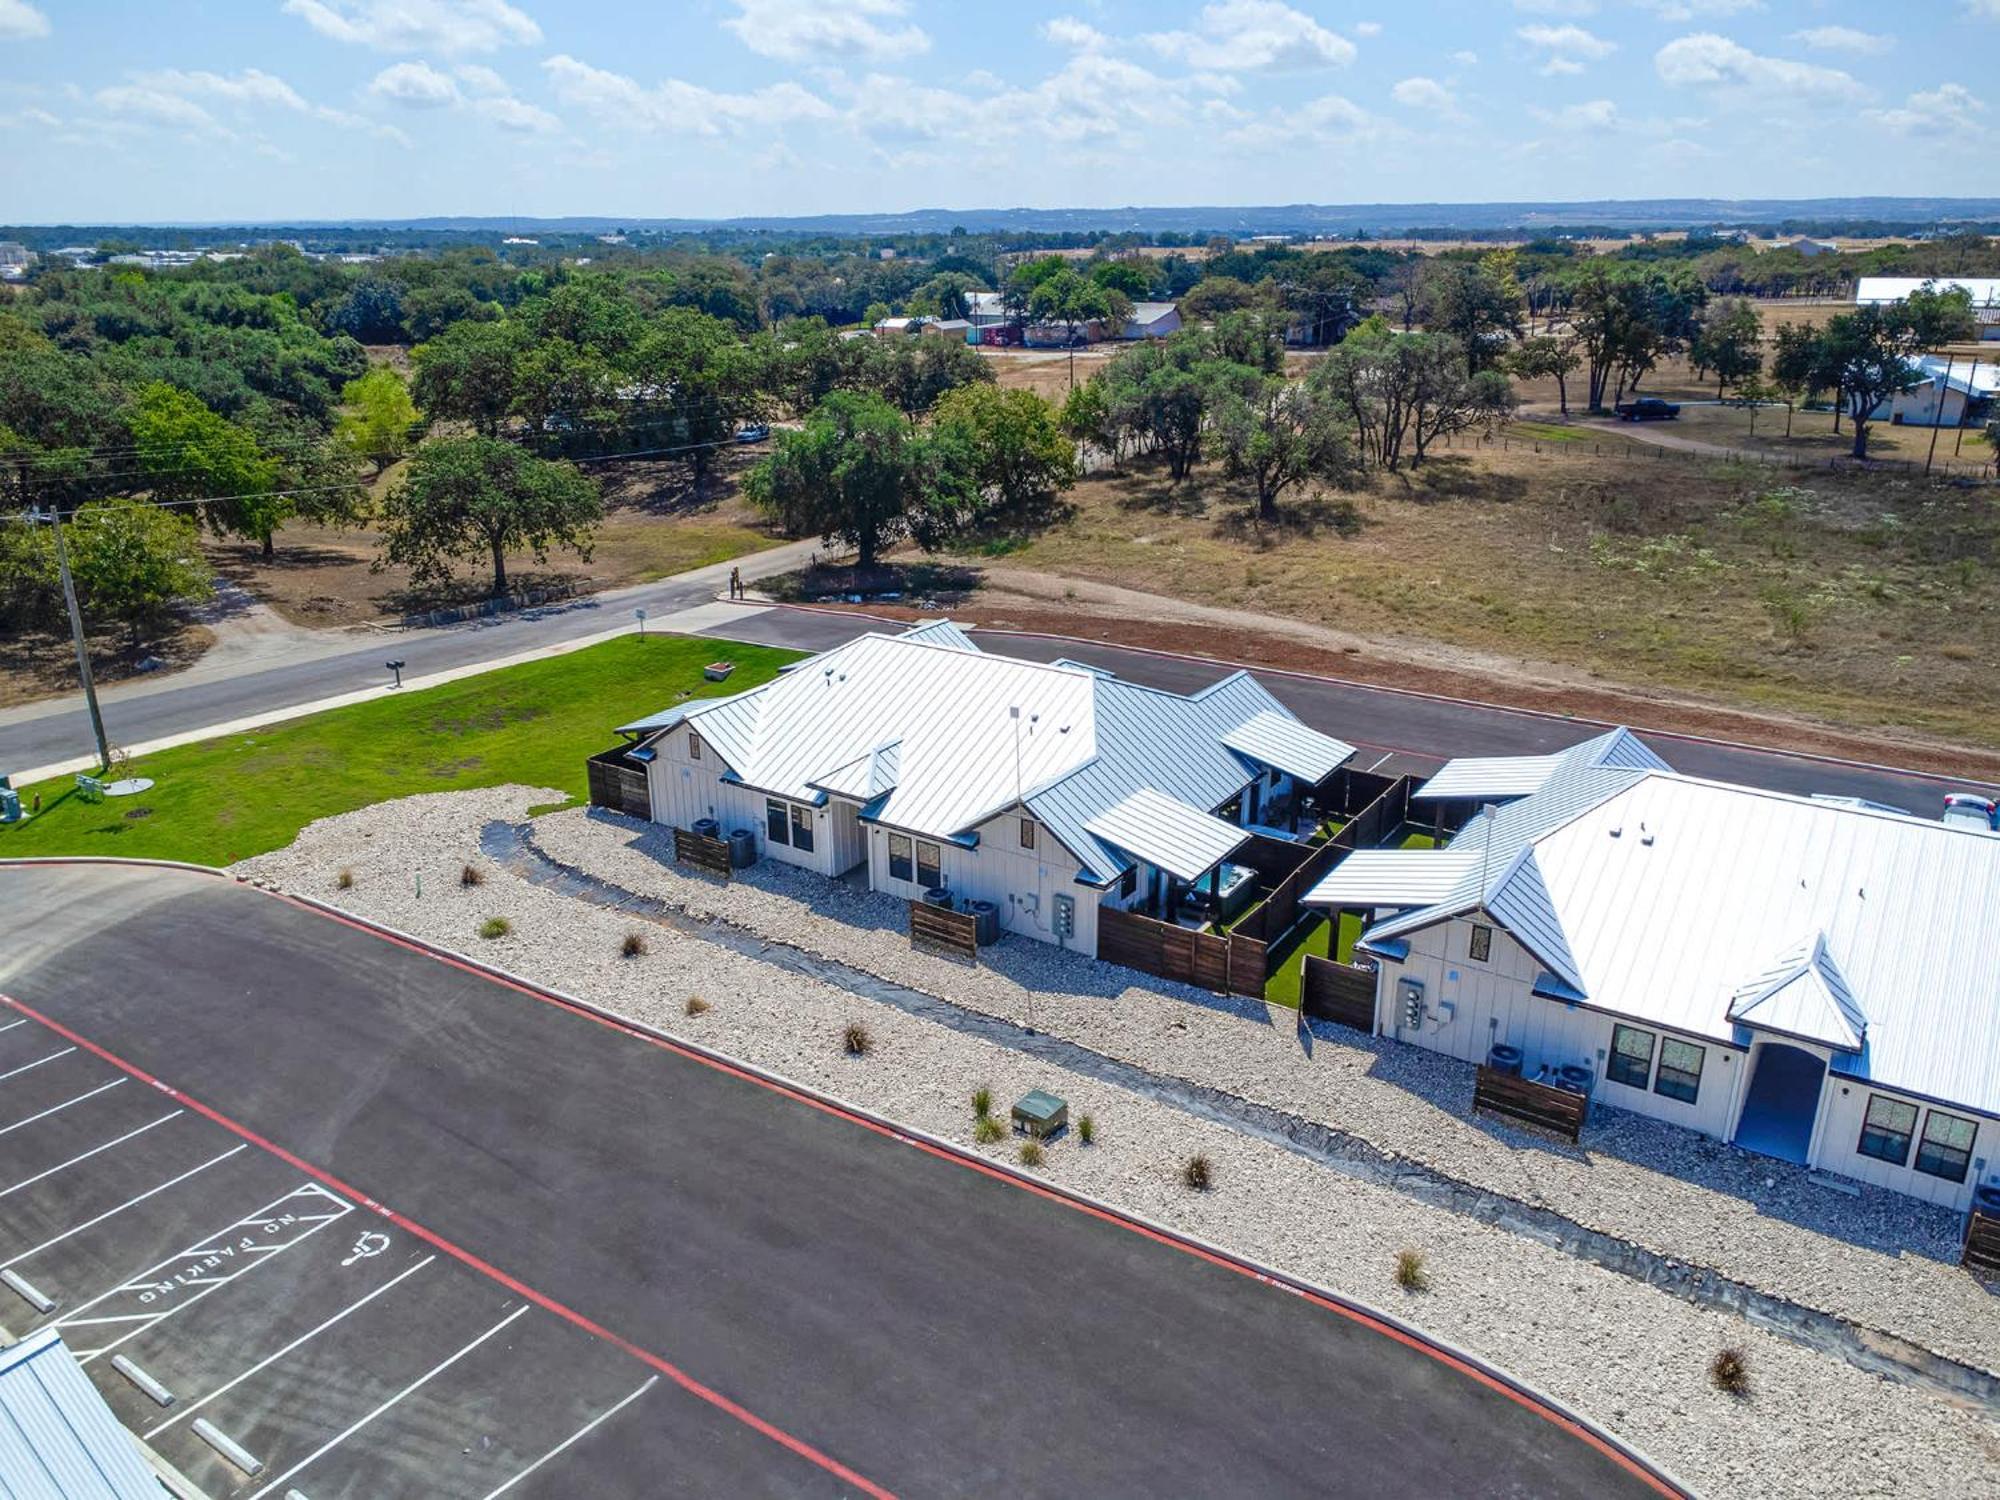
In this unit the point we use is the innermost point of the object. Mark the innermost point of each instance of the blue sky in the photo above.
(268, 109)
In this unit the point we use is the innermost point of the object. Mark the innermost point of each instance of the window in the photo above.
(1680, 1070)
(1631, 1056)
(1482, 943)
(930, 865)
(694, 745)
(777, 822)
(901, 865)
(1129, 881)
(1027, 833)
(802, 829)
(1886, 1129)
(1946, 1148)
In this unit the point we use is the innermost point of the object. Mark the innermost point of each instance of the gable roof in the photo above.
(1482, 778)
(1677, 902)
(1282, 742)
(58, 1437)
(935, 736)
(1803, 994)
(1152, 826)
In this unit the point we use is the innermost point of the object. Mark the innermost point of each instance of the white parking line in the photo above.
(270, 1359)
(574, 1438)
(128, 1203)
(30, 1067)
(12, 1024)
(204, 1268)
(414, 1386)
(56, 1109)
(93, 1151)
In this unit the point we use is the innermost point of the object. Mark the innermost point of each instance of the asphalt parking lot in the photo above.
(325, 1216)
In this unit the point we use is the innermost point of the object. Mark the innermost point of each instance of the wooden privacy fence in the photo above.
(1982, 1243)
(1332, 991)
(618, 784)
(708, 855)
(1537, 1104)
(1385, 812)
(952, 932)
(1230, 965)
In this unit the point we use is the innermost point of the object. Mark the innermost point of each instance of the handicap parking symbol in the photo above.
(369, 1245)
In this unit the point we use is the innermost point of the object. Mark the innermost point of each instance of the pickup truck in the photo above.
(1647, 409)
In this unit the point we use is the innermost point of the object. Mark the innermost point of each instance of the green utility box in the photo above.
(1040, 1115)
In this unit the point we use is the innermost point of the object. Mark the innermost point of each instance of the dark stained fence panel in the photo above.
(1331, 991)
(1982, 1244)
(953, 932)
(616, 783)
(1531, 1103)
(710, 856)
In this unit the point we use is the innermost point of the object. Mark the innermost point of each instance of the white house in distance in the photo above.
(1815, 980)
(1048, 789)
(1947, 393)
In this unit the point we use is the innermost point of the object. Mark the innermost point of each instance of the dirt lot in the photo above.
(41, 664)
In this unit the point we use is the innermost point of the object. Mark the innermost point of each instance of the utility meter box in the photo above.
(1410, 1000)
(1062, 917)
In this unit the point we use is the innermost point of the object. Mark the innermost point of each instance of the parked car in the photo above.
(1972, 810)
(1647, 409)
(754, 432)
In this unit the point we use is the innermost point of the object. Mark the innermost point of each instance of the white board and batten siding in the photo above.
(687, 788)
(1845, 1105)
(1022, 883)
(1546, 1031)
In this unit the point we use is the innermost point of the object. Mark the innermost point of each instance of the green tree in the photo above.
(133, 561)
(467, 374)
(913, 374)
(857, 473)
(188, 453)
(1728, 343)
(1216, 295)
(1545, 356)
(1278, 434)
(1019, 459)
(561, 389)
(946, 295)
(1474, 305)
(1074, 300)
(1130, 277)
(478, 497)
(695, 372)
(380, 419)
(1868, 356)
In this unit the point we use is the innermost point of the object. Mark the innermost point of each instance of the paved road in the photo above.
(843, 1311)
(1419, 731)
(41, 734)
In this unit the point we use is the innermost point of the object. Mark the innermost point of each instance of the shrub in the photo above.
(344, 881)
(696, 1006)
(982, 1102)
(856, 1041)
(470, 875)
(1032, 1154)
(1196, 1173)
(1730, 1371)
(634, 944)
(1086, 1129)
(986, 1130)
(1410, 1273)
(495, 927)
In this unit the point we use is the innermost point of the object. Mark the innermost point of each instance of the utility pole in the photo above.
(1942, 394)
(82, 648)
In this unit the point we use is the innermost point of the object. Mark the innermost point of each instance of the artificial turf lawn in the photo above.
(1282, 985)
(222, 800)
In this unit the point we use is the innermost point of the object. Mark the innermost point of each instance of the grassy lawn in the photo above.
(1417, 839)
(1282, 986)
(226, 799)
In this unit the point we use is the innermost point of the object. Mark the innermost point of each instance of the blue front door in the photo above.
(1783, 1101)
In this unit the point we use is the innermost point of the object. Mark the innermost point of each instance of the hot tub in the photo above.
(1237, 885)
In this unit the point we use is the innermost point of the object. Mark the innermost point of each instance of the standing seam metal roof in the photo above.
(58, 1438)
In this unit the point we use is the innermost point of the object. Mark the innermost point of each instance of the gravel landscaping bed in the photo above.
(1629, 1356)
(1882, 1260)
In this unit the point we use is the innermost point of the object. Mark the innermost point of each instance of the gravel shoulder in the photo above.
(1628, 1355)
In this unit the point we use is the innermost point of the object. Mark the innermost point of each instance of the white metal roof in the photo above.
(922, 728)
(1392, 877)
(1880, 289)
(1184, 841)
(1679, 902)
(1484, 778)
(58, 1438)
(1281, 741)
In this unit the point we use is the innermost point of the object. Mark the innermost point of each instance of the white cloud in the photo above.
(1465, 57)
(1565, 49)
(448, 27)
(1949, 106)
(1367, 28)
(517, 115)
(1426, 94)
(1688, 10)
(251, 86)
(480, 79)
(678, 107)
(417, 85)
(1330, 120)
(19, 21)
(1079, 36)
(156, 106)
(1843, 39)
(1252, 36)
(1706, 60)
(810, 30)
(1592, 115)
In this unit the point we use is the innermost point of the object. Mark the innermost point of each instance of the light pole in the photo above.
(54, 518)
